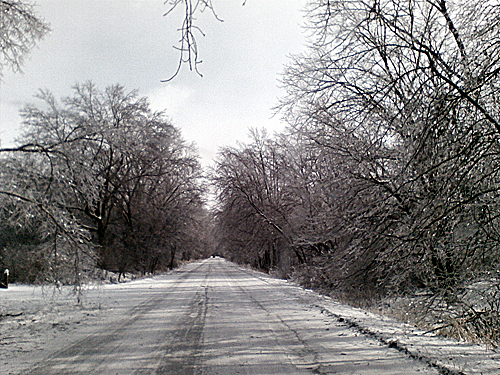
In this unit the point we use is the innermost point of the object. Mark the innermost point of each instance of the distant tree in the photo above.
(254, 203)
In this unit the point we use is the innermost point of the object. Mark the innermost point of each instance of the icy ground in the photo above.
(38, 321)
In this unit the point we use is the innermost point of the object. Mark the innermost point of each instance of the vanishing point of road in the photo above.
(213, 317)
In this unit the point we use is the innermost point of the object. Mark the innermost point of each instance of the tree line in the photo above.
(99, 180)
(386, 181)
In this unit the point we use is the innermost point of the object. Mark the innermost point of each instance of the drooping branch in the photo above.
(188, 45)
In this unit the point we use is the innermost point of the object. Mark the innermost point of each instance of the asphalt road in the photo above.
(213, 317)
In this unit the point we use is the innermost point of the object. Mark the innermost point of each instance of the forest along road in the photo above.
(213, 317)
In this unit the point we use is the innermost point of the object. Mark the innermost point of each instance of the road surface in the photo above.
(213, 317)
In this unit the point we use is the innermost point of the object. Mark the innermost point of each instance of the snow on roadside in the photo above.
(34, 320)
(448, 356)
(37, 321)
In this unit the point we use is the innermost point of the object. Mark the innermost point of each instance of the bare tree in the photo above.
(254, 204)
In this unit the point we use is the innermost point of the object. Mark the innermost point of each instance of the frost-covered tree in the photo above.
(118, 172)
(253, 203)
(403, 97)
(20, 29)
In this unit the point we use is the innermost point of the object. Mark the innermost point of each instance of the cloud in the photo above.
(170, 98)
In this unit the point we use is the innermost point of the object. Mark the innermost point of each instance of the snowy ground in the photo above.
(37, 322)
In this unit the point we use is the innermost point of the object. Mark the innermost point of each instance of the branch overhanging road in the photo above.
(213, 317)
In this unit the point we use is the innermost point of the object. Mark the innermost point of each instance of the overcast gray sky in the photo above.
(130, 42)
